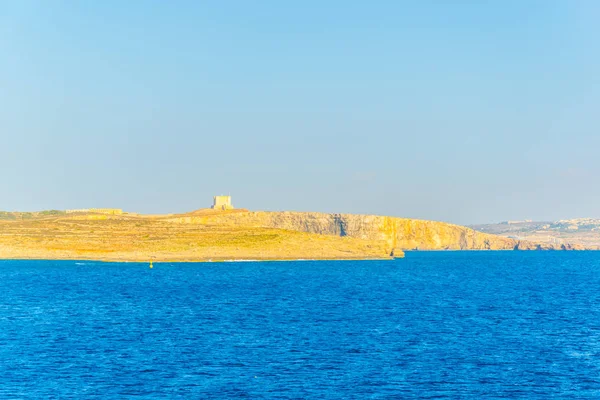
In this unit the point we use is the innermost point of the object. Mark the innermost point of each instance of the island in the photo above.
(223, 232)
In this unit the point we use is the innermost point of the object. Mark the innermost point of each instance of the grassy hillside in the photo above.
(141, 238)
(234, 234)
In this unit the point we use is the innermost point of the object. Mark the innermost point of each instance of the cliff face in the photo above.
(236, 234)
(398, 233)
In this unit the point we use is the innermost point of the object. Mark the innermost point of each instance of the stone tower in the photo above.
(222, 203)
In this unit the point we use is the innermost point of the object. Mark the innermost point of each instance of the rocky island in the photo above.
(225, 233)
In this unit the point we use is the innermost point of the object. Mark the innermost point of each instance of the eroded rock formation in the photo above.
(398, 233)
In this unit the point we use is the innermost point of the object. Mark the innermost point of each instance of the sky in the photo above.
(458, 110)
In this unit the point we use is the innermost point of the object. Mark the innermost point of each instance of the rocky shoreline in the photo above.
(208, 235)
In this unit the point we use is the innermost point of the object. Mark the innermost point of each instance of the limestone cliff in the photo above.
(398, 233)
(235, 235)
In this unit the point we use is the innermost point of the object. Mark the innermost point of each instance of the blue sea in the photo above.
(456, 325)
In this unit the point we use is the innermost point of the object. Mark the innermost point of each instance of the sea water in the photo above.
(466, 325)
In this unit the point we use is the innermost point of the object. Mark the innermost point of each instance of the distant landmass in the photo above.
(580, 233)
(225, 233)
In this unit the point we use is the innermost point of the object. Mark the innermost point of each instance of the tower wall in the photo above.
(222, 203)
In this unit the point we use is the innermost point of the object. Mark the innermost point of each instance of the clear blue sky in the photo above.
(461, 111)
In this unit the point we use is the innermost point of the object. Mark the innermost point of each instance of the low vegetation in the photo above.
(142, 238)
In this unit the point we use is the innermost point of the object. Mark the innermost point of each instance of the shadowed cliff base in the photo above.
(234, 235)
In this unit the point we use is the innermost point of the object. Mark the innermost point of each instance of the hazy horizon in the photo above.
(457, 112)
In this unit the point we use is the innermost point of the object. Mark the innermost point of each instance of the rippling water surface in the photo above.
(433, 325)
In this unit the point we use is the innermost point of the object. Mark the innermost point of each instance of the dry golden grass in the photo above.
(141, 238)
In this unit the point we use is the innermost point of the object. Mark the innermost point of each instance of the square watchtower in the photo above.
(222, 203)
